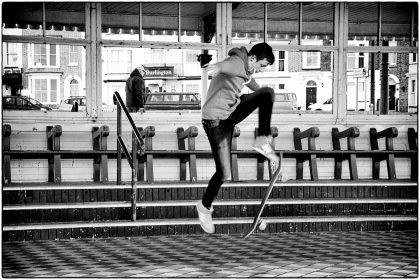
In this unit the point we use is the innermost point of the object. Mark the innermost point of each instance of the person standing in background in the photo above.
(135, 97)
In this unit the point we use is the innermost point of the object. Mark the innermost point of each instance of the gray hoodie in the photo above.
(225, 88)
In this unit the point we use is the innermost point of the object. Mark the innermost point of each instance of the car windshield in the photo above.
(35, 102)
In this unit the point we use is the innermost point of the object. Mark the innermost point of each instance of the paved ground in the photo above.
(287, 255)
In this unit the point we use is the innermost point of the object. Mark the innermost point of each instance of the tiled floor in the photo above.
(286, 255)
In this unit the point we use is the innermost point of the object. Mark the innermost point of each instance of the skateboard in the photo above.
(258, 221)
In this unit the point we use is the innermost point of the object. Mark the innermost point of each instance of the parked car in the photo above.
(285, 102)
(172, 101)
(321, 106)
(20, 102)
(68, 104)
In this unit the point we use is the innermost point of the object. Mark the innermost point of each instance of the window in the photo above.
(413, 86)
(413, 58)
(120, 61)
(192, 88)
(311, 60)
(12, 58)
(281, 86)
(74, 88)
(191, 57)
(269, 85)
(357, 60)
(45, 90)
(74, 55)
(392, 58)
(53, 91)
(44, 55)
(282, 61)
(158, 56)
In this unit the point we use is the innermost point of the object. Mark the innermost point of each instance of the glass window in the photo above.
(282, 21)
(160, 21)
(198, 22)
(120, 60)
(366, 90)
(74, 88)
(167, 70)
(74, 52)
(53, 91)
(12, 54)
(317, 21)
(43, 55)
(247, 22)
(282, 60)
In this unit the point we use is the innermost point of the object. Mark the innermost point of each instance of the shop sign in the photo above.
(167, 71)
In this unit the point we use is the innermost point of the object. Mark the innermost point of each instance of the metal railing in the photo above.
(136, 151)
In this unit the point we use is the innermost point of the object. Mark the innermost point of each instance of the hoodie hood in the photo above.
(242, 52)
(135, 73)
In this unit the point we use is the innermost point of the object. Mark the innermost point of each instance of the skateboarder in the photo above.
(225, 107)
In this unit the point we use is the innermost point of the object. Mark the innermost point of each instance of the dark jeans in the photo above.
(219, 133)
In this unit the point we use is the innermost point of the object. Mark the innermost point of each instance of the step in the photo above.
(217, 221)
(236, 202)
(181, 184)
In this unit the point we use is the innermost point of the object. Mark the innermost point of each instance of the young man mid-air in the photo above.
(225, 107)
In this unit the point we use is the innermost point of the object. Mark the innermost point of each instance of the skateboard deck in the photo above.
(257, 218)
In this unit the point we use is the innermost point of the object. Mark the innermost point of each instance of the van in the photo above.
(285, 101)
(172, 101)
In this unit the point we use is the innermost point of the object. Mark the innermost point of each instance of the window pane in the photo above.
(318, 20)
(282, 21)
(42, 84)
(25, 18)
(366, 87)
(53, 55)
(53, 91)
(300, 87)
(247, 22)
(167, 70)
(198, 22)
(396, 18)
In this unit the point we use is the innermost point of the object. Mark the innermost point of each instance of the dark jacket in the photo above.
(135, 90)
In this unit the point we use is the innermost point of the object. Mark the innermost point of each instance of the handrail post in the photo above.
(120, 141)
(118, 144)
(134, 177)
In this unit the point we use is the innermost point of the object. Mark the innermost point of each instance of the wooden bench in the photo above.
(102, 208)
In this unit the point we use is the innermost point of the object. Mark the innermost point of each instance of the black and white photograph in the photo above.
(209, 139)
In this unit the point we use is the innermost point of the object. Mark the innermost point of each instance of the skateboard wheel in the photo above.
(262, 225)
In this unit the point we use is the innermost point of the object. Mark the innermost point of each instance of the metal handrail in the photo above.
(132, 159)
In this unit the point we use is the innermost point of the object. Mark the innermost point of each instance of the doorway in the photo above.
(310, 93)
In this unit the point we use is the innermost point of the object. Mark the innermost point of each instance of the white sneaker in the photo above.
(262, 144)
(204, 216)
